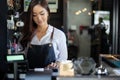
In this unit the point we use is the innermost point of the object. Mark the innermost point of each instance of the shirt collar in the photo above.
(50, 28)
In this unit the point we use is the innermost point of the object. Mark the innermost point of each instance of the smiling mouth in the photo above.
(39, 22)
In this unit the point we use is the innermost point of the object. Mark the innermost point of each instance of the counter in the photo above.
(48, 75)
(113, 74)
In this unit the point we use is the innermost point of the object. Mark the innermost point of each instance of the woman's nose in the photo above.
(39, 17)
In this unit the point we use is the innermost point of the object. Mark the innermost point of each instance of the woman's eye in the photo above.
(42, 13)
(34, 15)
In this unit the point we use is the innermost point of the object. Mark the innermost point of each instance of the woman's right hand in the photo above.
(53, 65)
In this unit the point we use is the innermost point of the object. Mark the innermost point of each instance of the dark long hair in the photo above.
(30, 25)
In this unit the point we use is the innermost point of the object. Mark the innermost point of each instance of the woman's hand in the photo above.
(53, 65)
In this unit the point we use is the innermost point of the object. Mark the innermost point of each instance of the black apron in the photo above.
(39, 56)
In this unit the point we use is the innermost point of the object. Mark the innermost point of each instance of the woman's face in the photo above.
(40, 15)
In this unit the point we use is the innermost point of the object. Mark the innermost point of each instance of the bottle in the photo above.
(9, 47)
(12, 26)
(15, 46)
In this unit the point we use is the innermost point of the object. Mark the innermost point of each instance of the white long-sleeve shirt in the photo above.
(58, 41)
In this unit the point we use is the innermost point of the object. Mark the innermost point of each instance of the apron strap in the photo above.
(51, 37)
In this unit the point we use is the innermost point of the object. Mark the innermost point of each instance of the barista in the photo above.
(38, 36)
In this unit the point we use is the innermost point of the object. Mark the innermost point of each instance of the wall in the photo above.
(56, 19)
(77, 20)
(3, 37)
(83, 18)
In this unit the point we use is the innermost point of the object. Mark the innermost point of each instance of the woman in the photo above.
(38, 32)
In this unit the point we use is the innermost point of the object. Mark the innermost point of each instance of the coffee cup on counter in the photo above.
(66, 68)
